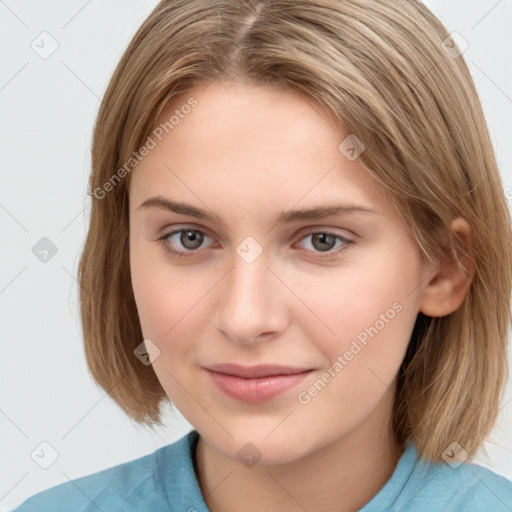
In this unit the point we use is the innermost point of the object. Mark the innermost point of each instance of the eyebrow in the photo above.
(315, 213)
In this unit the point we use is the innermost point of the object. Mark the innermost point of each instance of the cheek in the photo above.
(349, 299)
(362, 360)
(367, 314)
(170, 303)
(169, 310)
(159, 298)
(163, 307)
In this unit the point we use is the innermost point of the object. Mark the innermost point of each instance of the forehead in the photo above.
(250, 144)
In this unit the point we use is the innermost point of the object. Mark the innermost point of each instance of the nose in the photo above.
(252, 303)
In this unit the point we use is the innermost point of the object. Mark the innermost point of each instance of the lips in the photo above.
(255, 384)
(254, 372)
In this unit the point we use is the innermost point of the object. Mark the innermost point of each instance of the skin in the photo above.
(248, 153)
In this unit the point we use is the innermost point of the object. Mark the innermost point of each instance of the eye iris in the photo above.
(324, 239)
(191, 239)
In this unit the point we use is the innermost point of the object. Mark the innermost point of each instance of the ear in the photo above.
(449, 283)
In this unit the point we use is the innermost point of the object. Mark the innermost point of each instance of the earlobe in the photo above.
(450, 279)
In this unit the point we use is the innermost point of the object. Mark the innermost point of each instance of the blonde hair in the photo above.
(390, 76)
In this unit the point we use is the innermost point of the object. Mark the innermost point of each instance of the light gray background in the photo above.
(47, 109)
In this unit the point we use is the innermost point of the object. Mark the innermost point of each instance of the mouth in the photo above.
(255, 384)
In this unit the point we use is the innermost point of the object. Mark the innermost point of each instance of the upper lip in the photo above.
(254, 372)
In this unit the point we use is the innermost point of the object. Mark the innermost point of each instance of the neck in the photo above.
(342, 476)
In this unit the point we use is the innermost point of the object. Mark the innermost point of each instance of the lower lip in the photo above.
(256, 390)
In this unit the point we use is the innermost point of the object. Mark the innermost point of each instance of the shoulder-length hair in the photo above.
(393, 77)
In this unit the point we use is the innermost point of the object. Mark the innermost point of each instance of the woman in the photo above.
(289, 241)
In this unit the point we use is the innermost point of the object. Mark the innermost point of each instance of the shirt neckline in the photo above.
(393, 489)
(175, 464)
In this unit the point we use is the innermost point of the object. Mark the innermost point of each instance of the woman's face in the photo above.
(273, 280)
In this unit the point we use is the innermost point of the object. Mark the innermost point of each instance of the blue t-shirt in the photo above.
(165, 481)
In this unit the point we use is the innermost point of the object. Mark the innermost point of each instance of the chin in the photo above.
(252, 446)
(266, 453)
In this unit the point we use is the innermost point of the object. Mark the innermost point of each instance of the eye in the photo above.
(325, 242)
(189, 239)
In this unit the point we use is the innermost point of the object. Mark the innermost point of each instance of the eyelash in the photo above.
(164, 240)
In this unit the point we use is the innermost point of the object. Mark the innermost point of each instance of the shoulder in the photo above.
(109, 489)
(420, 485)
(472, 488)
(466, 487)
(127, 487)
